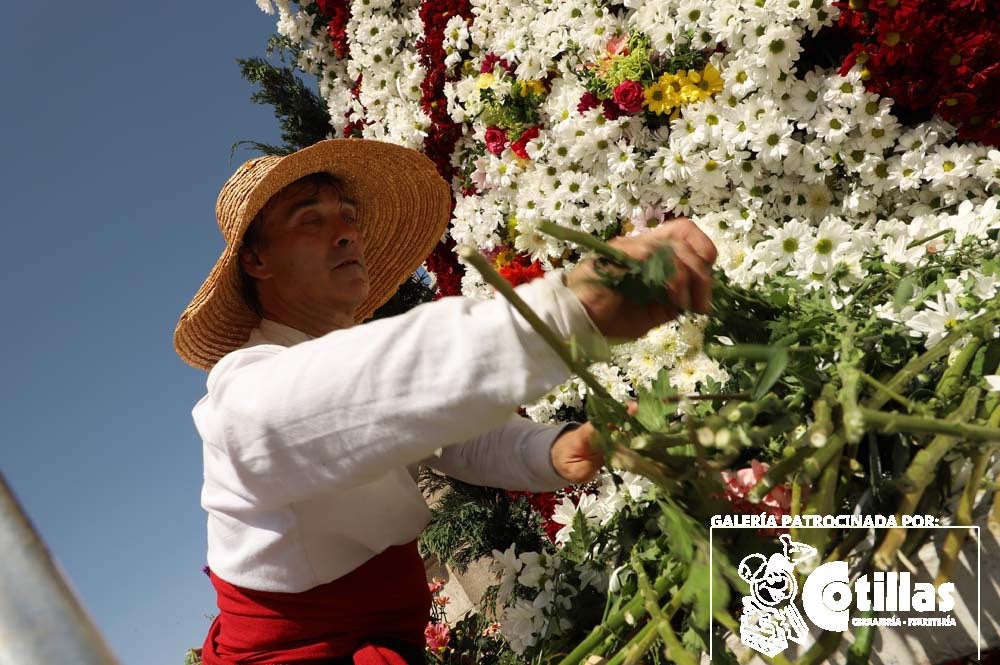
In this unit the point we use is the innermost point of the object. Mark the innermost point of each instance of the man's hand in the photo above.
(572, 456)
(690, 288)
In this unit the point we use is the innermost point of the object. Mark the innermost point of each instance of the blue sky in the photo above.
(118, 119)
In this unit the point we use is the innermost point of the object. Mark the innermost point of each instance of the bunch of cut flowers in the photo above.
(828, 407)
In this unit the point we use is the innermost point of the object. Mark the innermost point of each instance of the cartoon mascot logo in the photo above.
(770, 618)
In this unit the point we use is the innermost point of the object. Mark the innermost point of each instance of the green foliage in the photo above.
(641, 281)
(411, 293)
(514, 112)
(469, 646)
(192, 657)
(470, 522)
(655, 409)
(302, 115)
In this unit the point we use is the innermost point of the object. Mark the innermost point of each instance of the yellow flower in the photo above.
(673, 86)
(655, 99)
(711, 80)
(503, 257)
(533, 87)
(485, 80)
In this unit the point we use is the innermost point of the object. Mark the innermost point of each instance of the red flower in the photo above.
(628, 96)
(339, 13)
(491, 60)
(520, 271)
(446, 268)
(588, 101)
(519, 146)
(496, 140)
(929, 55)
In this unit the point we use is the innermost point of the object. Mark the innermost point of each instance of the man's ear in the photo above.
(252, 264)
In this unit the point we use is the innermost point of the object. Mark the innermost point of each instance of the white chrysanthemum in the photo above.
(937, 317)
(521, 624)
(565, 512)
(507, 566)
(533, 571)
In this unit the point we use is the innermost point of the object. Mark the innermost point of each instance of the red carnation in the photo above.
(496, 140)
(491, 60)
(588, 101)
(519, 271)
(628, 96)
(520, 144)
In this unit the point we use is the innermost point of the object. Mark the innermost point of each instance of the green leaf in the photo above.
(653, 412)
(581, 541)
(692, 640)
(658, 268)
(679, 534)
(775, 367)
(903, 294)
(602, 412)
(696, 594)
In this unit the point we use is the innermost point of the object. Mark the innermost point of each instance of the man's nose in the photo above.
(345, 233)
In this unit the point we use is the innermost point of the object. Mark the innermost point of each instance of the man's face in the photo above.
(311, 253)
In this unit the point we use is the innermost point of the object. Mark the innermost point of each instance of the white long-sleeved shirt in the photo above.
(309, 444)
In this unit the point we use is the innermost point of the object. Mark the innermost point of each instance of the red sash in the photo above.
(358, 617)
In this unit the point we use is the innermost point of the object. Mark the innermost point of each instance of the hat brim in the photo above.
(404, 209)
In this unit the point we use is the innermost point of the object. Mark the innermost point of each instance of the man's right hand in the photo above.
(690, 287)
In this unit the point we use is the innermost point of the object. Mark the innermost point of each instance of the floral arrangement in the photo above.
(851, 362)
(940, 56)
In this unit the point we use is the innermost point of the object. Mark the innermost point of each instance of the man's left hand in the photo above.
(572, 456)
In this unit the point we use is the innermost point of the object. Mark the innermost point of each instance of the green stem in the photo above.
(909, 371)
(493, 278)
(674, 648)
(586, 240)
(951, 381)
(910, 405)
(860, 652)
(630, 614)
(894, 422)
(921, 241)
(823, 497)
(918, 477)
(640, 644)
(809, 460)
(963, 513)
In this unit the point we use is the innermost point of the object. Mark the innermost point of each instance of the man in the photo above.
(312, 425)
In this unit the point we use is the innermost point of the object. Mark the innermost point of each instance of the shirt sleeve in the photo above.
(282, 424)
(515, 456)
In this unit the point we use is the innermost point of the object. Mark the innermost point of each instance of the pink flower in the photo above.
(777, 502)
(519, 146)
(437, 636)
(629, 96)
(618, 45)
(496, 140)
(441, 601)
(492, 629)
(436, 585)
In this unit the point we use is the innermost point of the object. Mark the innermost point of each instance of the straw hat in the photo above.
(404, 209)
